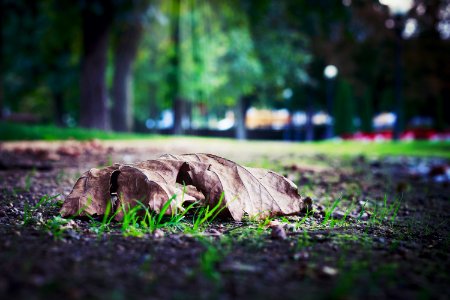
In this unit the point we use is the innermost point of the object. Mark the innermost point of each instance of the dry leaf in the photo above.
(152, 183)
(257, 193)
(90, 194)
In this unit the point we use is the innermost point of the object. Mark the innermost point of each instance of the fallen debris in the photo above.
(207, 179)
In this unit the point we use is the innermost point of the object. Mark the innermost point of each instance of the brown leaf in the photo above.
(90, 194)
(206, 178)
(152, 183)
(254, 192)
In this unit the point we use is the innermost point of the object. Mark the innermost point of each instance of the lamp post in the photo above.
(398, 9)
(330, 72)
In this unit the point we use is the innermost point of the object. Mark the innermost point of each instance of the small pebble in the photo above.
(364, 217)
(158, 233)
(290, 227)
(302, 255)
(329, 271)
(278, 233)
(320, 237)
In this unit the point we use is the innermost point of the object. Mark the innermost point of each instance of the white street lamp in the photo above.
(398, 7)
(330, 71)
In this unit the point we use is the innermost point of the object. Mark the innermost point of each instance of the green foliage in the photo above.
(139, 219)
(56, 226)
(40, 47)
(130, 225)
(29, 180)
(13, 131)
(30, 211)
(330, 210)
(282, 51)
(209, 260)
(309, 214)
(205, 215)
(385, 212)
(303, 241)
(104, 225)
(380, 214)
(226, 50)
(221, 58)
(214, 253)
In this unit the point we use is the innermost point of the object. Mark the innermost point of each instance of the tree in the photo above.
(151, 68)
(97, 17)
(61, 34)
(40, 68)
(129, 32)
(21, 62)
(426, 63)
(282, 51)
(243, 70)
(175, 72)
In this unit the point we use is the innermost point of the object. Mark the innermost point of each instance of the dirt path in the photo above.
(366, 247)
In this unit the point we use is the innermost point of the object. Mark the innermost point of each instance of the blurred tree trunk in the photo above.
(96, 24)
(196, 58)
(178, 107)
(242, 105)
(174, 76)
(124, 55)
(188, 115)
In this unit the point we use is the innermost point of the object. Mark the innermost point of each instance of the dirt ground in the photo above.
(387, 235)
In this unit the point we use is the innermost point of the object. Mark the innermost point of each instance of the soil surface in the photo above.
(380, 229)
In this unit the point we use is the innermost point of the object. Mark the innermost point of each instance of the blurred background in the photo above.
(296, 70)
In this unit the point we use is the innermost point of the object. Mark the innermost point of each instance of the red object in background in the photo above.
(408, 135)
(368, 136)
(418, 134)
